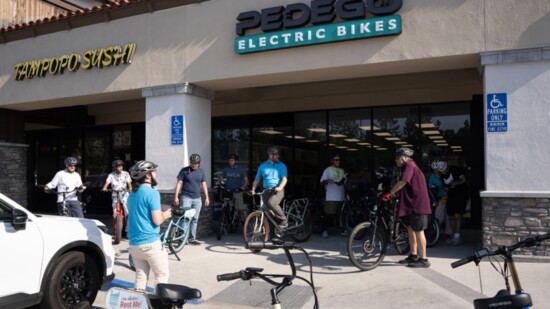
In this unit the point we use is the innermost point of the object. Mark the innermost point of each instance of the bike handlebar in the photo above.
(503, 250)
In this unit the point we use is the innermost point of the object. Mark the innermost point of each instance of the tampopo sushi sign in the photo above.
(284, 27)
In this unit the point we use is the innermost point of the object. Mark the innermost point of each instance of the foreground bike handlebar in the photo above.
(503, 250)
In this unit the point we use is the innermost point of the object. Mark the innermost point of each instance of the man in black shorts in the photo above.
(414, 206)
(457, 197)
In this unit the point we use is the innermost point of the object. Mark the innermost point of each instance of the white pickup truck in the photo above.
(53, 261)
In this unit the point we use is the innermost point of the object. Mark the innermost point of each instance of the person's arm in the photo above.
(255, 184)
(398, 186)
(205, 189)
(129, 185)
(107, 183)
(53, 184)
(282, 185)
(160, 216)
(245, 182)
(176, 194)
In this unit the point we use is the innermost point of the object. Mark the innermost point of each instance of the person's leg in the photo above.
(197, 205)
(421, 243)
(141, 264)
(273, 203)
(412, 241)
(113, 204)
(76, 210)
(238, 201)
(60, 208)
(157, 258)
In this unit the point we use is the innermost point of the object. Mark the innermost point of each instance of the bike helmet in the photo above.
(442, 166)
(273, 149)
(234, 156)
(195, 158)
(434, 165)
(142, 168)
(403, 152)
(335, 157)
(117, 163)
(70, 161)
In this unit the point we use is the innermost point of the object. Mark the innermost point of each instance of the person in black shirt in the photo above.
(457, 198)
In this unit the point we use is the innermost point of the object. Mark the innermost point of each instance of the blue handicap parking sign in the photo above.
(177, 130)
(497, 112)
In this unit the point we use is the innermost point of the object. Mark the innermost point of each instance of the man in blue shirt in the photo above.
(275, 176)
(188, 188)
(235, 181)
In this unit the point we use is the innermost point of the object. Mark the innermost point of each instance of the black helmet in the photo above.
(234, 156)
(70, 161)
(403, 152)
(194, 158)
(117, 163)
(142, 168)
(273, 149)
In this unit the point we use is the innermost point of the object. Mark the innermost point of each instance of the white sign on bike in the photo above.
(125, 298)
(497, 112)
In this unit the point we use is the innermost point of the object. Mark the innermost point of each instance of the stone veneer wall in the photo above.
(508, 220)
(206, 225)
(13, 166)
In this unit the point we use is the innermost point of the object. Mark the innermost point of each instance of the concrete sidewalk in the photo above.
(339, 283)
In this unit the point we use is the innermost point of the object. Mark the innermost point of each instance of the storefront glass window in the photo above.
(310, 132)
(227, 141)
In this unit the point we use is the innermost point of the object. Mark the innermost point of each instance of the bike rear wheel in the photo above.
(433, 232)
(366, 246)
(117, 229)
(256, 229)
(223, 223)
(305, 229)
(401, 238)
(177, 237)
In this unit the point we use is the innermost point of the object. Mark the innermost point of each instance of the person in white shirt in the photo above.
(119, 180)
(67, 180)
(333, 181)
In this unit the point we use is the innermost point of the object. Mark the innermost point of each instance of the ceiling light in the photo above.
(431, 132)
(426, 125)
(439, 141)
(401, 143)
(295, 137)
(456, 147)
(445, 144)
(352, 140)
(375, 146)
(457, 150)
(353, 149)
(341, 147)
(393, 138)
(363, 144)
(332, 145)
(381, 148)
(382, 134)
(368, 128)
(312, 141)
(337, 135)
(271, 132)
(318, 130)
(407, 145)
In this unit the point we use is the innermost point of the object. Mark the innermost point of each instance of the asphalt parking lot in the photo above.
(339, 283)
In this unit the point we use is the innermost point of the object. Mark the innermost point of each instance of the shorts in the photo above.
(332, 207)
(456, 205)
(416, 222)
(238, 201)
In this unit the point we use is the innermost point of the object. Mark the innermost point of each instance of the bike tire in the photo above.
(223, 224)
(433, 232)
(354, 216)
(366, 246)
(117, 229)
(343, 215)
(177, 237)
(254, 230)
(401, 238)
(304, 231)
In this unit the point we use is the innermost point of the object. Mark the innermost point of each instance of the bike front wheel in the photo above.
(401, 238)
(177, 237)
(256, 228)
(433, 232)
(366, 246)
(223, 223)
(117, 229)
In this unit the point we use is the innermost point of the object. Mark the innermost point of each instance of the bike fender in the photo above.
(190, 213)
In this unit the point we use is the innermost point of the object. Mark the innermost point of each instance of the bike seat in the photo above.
(504, 300)
(176, 294)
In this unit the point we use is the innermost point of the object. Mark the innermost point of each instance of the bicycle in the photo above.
(66, 204)
(253, 272)
(229, 215)
(369, 240)
(120, 219)
(433, 231)
(504, 298)
(166, 295)
(257, 228)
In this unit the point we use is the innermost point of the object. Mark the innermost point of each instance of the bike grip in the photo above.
(229, 277)
(255, 245)
(463, 261)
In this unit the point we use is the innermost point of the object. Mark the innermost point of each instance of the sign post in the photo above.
(497, 112)
(177, 130)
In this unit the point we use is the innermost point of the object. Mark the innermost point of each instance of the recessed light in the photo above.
(352, 140)
(393, 138)
(431, 132)
(318, 130)
(382, 134)
(337, 135)
(271, 132)
(363, 144)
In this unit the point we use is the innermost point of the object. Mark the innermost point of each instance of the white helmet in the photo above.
(435, 164)
(441, 166)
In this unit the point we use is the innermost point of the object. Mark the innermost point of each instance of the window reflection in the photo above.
(227, 141)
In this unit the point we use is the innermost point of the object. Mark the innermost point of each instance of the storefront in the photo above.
(360, 78)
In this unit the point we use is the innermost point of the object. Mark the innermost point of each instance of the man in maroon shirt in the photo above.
(414, 206)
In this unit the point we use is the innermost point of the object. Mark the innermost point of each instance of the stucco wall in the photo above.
(194, 44)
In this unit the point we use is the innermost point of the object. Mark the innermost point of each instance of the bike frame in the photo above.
(287, 210)
(176, 223)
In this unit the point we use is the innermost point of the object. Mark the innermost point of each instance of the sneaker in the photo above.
(325, 234)
(194, 242)
(456, 242)
(419, 263)
(408, 259)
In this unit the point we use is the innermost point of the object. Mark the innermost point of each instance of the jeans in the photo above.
(195, 203)
(76, 210)
(147, 257)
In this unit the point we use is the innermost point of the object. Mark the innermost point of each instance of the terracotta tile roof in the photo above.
(84, 17)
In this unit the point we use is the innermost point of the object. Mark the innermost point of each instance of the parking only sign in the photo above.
(497, 112)
(177, 130)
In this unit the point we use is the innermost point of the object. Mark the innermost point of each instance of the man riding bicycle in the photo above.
(275, 176)
(120, 181)
(67, 180)
(235, 181)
